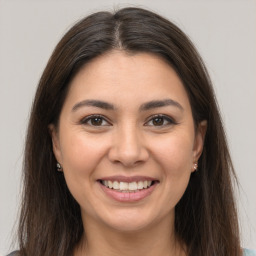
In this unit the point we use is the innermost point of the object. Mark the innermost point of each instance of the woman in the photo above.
(125, 148)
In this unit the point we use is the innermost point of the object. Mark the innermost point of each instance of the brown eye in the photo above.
(161, 121)
(157, 121)
(95, 121)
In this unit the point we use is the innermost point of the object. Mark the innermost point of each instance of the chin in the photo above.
(129, 226)
(130, 220)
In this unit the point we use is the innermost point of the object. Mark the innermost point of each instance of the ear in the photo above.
(199, 140)
(55, 142)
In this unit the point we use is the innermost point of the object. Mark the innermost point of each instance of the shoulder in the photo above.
(248, 252)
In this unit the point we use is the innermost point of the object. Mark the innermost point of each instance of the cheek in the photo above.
(175, 156)
(175, 153)
(80, 154)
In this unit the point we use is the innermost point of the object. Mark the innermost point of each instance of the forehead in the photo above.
(123, 78)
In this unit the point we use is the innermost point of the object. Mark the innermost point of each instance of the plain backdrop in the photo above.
(224, 32)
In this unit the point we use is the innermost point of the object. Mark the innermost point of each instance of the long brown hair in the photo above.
(50, 220)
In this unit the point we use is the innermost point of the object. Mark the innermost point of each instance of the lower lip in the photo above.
(128, 196)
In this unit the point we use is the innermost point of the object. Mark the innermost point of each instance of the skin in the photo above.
(127, 142)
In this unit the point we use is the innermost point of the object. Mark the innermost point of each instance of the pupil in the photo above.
(96, 121)
(158, 121)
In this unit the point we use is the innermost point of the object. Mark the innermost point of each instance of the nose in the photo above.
(128, 147)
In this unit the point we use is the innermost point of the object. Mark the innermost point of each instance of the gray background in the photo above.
(224, 32)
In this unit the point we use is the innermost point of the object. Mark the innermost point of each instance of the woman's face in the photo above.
(126, 140)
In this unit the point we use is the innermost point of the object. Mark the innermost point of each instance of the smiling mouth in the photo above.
(128, 187)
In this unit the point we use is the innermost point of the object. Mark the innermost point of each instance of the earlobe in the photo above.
(199, 139)
(55, 142)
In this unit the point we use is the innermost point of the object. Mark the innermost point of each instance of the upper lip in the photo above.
(121, 178)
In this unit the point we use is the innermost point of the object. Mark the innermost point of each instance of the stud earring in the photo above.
(59, 167)
(195, 167)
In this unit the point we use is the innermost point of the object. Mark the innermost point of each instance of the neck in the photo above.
(158, 239)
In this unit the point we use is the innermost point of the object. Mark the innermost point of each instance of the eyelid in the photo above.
(166, 117)
(169, 119)
(85, 120)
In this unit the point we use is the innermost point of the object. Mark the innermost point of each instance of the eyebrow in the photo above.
(160, 103)
(144, 107)
(93, 103)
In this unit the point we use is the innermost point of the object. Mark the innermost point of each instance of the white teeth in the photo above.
(110, 184)
(125, 186)
(133, 186)
(140, 185)
(116, 185)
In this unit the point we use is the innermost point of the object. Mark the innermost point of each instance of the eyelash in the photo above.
(167, 119)
(86, 120)
(170, 121)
